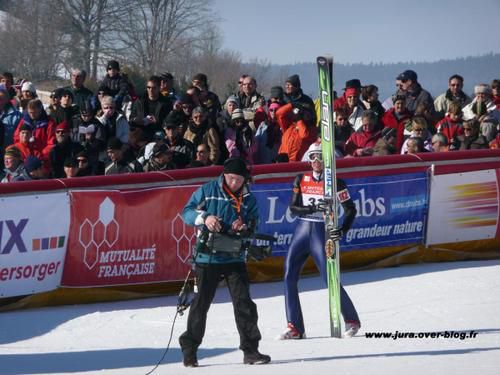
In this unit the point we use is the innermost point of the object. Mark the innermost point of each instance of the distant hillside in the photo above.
(433, 76)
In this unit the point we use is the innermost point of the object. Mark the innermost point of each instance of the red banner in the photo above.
(128, 237)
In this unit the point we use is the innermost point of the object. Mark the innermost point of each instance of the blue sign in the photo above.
(391, 211)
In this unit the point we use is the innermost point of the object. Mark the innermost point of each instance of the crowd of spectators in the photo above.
(114, 130)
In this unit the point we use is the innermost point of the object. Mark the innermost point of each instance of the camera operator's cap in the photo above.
(113, 64)
(62, 126)
(407, 75)
(236, 166)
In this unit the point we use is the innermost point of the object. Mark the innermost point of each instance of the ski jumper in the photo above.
(309, 239)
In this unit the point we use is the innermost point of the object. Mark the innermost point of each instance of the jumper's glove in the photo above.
(319, 206)
(335, 234)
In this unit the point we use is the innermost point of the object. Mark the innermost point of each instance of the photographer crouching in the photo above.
(226, 213)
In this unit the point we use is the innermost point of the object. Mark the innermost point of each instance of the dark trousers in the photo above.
(309, 239)
(245, 310)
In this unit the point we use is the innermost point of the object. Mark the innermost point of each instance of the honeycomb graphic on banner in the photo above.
(94, 235)
(183, 236)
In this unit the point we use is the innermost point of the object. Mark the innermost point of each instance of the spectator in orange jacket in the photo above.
(44, 133)
(297, 135)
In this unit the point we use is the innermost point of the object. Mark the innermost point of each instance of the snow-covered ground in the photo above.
(130, 337)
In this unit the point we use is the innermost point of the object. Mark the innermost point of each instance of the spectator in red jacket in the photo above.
(451, 124)
(44, 128)
(399, 118)
(297, 135)
(25, 146)
(361, 142)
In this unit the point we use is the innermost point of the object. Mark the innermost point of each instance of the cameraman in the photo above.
(226, 213)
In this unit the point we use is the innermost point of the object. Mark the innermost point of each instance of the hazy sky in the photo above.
(289, 31)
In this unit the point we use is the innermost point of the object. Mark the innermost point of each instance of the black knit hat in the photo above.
(113, 64)
(201, 77)
(294, 80)
(114, 144)
(276, 92)
(353, 84)
(236, 166)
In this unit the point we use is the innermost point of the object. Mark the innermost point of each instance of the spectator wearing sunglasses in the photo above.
(152, 109)
(64, 149)
(414, 92)
(471, 139)
(361, 142)
(268, 137)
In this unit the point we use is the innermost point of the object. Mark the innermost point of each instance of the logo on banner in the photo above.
(185, 238)
(103, 231)
(11, 236)
(99, 237)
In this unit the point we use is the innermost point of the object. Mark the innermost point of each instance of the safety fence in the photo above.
(111, 237)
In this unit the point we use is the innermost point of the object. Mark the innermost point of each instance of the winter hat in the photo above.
(113, 64)
(237, 114)
(166, 76)
(57, 93)
(26, 126)
(236, 166)
(32, 163)
(294, 80)
(114, 144)
(407, 75)
(28, 86)
(71, 162)
(353, 84)
(200, 77)
(66, 92)
(87, 108)
(482, 88)
(232, 99)
(14, 152)
(276, 92)
(186, 99)
(63, 126)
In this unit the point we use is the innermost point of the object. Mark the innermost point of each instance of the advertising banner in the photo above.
(128, 237)
(464, 207)
(391, 211)
(33, 239)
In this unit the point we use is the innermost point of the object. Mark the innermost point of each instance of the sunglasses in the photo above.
(150, 87)
(418, 129)
(82, 160)
(60, 131)
(467, 128)
(315, 156)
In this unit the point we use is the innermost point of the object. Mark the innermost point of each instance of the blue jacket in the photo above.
(211, 199)
(10, 119)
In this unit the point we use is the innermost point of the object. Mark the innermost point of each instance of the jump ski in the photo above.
(325, 70)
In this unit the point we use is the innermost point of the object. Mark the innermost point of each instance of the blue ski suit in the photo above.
(309, 239)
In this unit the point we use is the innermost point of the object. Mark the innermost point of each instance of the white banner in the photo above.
(33, 239)
(463, 207)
